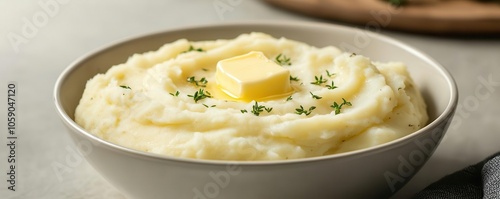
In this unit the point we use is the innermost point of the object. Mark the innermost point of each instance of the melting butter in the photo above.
(252, 76)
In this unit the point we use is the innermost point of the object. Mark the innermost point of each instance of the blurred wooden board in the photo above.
(428, 16)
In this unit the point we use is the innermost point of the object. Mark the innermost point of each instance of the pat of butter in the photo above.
(252, 77)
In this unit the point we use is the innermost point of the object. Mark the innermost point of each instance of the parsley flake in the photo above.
(315, 96)
(319, 80)
(257, 109)
(191, 48)
(332, 86)
(125, 87)
(301, 110)
(337, 106)
(283, 60)
(200, 94)
(175, 94)
(329, 74)
(201, 83)
(208, 106)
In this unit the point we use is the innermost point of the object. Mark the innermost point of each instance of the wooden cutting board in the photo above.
(424, 16)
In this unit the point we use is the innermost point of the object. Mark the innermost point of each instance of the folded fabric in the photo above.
(481, 180)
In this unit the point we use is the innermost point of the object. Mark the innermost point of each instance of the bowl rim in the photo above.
(75, 128)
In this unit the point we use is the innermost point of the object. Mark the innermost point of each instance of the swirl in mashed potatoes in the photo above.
(147, 104)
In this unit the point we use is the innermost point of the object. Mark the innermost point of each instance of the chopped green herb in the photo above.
(319, 80)
(191, 48)
(125, 87)
(315, 96)
(191, 79)
(329, 74)
(204, 69)
(292, 78)
(175, 94)
(243, 111)
(257, 109)
(332, 86)
(283, 60)
(201, 83)
(301, 110)
(337, 107)
(289, 98)
(352, 55)
(200, 94)
(209, 106)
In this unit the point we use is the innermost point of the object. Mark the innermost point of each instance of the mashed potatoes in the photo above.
(340, 102)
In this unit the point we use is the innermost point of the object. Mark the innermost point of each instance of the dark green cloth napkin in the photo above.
(481, 180)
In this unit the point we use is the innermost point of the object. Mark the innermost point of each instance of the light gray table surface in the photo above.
(74, 28)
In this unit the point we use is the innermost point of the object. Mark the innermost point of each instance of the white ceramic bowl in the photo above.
(375, 172)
